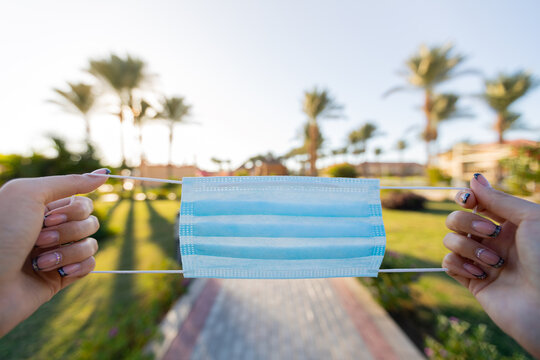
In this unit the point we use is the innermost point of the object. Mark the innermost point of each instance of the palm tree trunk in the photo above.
(427, 111)
(122, 150)
(169, 165)
(313, 148)
(499, 127)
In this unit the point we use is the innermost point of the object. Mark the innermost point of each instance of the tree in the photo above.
(378, 151)
(424, 71)
(444, 107)
(317, 104)
(123, 76)
(142, 112)
(358, 139)
(500, 93)
(401, 145)
(174, 111)
(80, 99)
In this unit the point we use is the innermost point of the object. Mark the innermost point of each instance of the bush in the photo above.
(392, 291)
(345, 170)
(403, 201)
(436, 176)
(458, 340)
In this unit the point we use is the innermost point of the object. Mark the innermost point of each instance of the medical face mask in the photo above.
(276, 227)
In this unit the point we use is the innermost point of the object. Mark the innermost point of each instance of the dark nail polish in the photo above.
(62, 272)
(107, 171)
(481, 180)
(481, 277)
(499, 263)
(496, 232)
(476, 175)
(465, 197)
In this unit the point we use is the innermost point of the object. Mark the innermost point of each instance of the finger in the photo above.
(65, 255)
(75, 273)
(76, 208)
(467, 199)
(455, 269)
(458, 266)
(506, 206)
(52, 188)
(67, 232)
(468, 223)
(472, 250)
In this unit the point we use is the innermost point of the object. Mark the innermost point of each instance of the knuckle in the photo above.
(87, 204)
(95, 222)
(93, 244)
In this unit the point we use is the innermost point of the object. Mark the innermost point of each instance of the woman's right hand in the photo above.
(500, 265)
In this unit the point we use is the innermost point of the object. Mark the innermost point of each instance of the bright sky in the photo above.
(244, 65)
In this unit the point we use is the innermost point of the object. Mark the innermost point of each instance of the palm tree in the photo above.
(401, 145)
(500, 93)
(444, 107)
(142, 111)
(79, 99)
(424, 71)
(378, 151)
(358, 139)
(317, 104)
(123, 76)
(174, 111)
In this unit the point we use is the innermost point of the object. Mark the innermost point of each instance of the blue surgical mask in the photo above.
(274, 227)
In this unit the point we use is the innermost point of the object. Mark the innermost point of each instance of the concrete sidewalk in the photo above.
(280, 319)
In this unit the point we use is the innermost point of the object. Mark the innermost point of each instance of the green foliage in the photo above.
(523, 170)
(241, 172)
(403, 200)
(342, 170)
(65, 162)
(505, 89)
(392, 291)
(79, 98)
(436, 176)
(457, 339)
(320, 104)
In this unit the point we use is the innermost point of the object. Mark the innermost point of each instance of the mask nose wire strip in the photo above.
(181, 271)
(380, 187)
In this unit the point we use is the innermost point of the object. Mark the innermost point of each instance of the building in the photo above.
(377, 169)
(463, 160)
(162, 172)
(263, 168)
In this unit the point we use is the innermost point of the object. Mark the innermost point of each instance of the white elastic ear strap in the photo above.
(182, 271)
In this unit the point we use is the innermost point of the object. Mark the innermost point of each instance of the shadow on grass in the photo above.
(161, 231)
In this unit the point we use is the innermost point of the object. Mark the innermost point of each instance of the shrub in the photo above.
(342, 170)
(436, 176)
(458, 340)
(403, 201)
(392, 291)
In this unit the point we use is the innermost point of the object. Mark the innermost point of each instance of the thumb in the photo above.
(499, 203)
(52, 188)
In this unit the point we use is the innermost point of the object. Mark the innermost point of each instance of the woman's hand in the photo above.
(44, 243)
(499, 264)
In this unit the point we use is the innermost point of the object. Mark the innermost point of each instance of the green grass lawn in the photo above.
(109, 316)
(418, 235)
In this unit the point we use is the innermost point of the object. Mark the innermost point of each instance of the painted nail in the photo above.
(489, 257)
(48, 238)
(47, 260)
(475, 270)
(486, 228)
(55, 219)
(496, 232)
(102, 171)
(481, 180)
(464, 197)
(69, 269)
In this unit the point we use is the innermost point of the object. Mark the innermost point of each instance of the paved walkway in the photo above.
(282, 319)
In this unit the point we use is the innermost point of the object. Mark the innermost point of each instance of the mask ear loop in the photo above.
(182, 271)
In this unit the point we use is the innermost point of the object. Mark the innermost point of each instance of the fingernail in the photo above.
(464, 197)
(48, 238)
(48, 260)
(475, 270)
(489, 257)
(69, 269)
(55, 219)
(481, 179)
(102, 171)
(486, 228)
